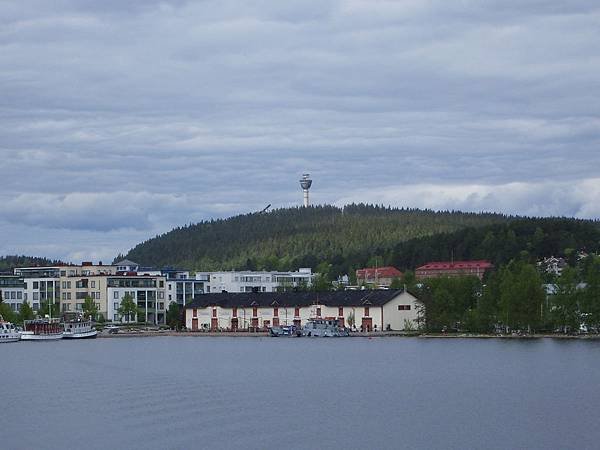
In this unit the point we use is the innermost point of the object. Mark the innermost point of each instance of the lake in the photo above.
(288, 393)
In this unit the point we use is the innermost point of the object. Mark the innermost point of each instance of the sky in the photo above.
(121, 120)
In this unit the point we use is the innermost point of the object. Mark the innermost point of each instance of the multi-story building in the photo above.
(42, 284)
(148, 291)
(80, 282)
(360, 310)
(249, 281)
(379, 276)
(12, 291)
(453, 269)
(182, 288)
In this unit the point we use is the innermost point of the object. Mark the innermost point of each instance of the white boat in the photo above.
(8, 332)
(79, 329)
(42, 330)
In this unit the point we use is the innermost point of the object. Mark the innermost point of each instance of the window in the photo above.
(116, 305)
(115, 294)
(68, 296)
(36, 296)
(64, 295)
(170, 286)
(19, 295)
(36, 285)
(116, 317)
(161, 295)
(36, 306)
(341, 312)
(170, 297)
(366, 311)
(403, 307)
(13, 295)
(318, 312)
(64, 284)
(161, 284)
(79, 306)
(296, 312)
(161, 305)
(93, 284)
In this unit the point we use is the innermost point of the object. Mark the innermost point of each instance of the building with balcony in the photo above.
(250, 281)
(12, 291)
(147, 291)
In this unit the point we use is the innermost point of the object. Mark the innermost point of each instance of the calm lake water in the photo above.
(263, 393)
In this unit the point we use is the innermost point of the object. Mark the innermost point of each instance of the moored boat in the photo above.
(79, 329)
(42, 330)
(8, 332)
(327, 327)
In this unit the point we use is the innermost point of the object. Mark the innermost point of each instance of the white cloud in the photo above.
(132, 117)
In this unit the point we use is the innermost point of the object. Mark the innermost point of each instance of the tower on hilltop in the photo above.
(305, 183)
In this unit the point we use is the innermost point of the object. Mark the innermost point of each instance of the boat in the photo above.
(286, 330)
(327, 327)
(79, 329)
(45, 329)
(8, 332)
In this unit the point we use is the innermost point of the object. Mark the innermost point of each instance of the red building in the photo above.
(453, 269)
(382, 276)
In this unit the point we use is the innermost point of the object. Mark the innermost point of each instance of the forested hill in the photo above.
(285, 239)
(499, 243)
(8, 263)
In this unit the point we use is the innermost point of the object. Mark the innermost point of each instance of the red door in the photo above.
(194, 324)
(234, 324)
(214, 324)
(367, 324)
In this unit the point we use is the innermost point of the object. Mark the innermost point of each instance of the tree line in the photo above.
(515, 297)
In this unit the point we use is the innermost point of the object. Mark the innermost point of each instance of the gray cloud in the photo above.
(120, 120)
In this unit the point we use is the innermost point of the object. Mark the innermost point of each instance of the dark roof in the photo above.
(292, 299)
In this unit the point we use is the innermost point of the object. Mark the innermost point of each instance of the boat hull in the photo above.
(86, 335)
(25, 336)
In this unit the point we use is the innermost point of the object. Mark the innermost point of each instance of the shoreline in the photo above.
(383, 334)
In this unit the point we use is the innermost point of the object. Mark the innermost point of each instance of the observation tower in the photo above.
(305, 183)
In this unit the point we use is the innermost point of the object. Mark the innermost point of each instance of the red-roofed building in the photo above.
(453, 269)
(382, 276)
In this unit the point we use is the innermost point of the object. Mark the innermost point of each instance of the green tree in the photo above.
(25, 313)
(591, 294)
(90, 309)
(565, 303)
(521, 296)
(396, 283)
(174, 316)
(128, 308)
(6, 312)
(321, 284)
(49, 307)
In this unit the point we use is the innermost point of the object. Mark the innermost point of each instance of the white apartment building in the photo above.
(148, 291)
(250, 281)
(12, 290)
(41, 284)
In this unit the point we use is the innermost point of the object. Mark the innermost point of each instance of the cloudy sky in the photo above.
(122, 119)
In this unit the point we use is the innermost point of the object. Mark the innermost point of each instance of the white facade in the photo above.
(12, 290)
(399, 313)
(148, 292)
(250, 281)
